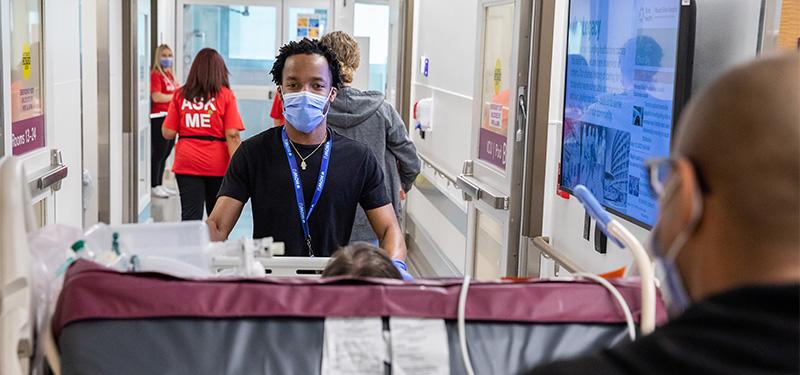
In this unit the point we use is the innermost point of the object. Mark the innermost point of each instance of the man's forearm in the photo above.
(393, 242)
(215, 232)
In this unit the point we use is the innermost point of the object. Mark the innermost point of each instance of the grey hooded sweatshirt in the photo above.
(367, 118)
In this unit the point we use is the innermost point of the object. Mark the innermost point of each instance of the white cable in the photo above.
(620, 300)
(648, 319)
(462, 334)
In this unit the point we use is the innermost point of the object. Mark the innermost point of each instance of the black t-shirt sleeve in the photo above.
(373, 191)
(236, 183)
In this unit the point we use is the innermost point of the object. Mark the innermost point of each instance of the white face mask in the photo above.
(676, 297)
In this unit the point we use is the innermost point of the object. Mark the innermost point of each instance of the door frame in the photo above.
(499, 194)
(4, 69)
(535, 160)
(136, 204)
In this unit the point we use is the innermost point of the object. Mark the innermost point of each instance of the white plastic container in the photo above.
(185, 241)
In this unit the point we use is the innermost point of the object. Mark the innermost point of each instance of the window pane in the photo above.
(248, 38)
(497, 79)
(372, 21)
(27, 108)
(245, 36)
(488, 247)
(255, 115)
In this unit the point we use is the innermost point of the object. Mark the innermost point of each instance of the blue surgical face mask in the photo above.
(676, 297)
(165, 62)
(304, 110)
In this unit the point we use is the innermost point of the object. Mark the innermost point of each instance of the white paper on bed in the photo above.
(419, 347)
(353, 346)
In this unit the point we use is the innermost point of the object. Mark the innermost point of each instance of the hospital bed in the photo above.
(127, 323)
(173, 322)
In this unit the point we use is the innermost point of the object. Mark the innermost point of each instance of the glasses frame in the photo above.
(653, 165)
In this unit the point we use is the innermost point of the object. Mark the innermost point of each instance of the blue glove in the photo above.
(401, 266)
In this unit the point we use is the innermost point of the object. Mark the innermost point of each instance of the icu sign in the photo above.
(493, 148)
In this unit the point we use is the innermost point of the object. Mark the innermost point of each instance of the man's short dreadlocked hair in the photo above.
(306, 47)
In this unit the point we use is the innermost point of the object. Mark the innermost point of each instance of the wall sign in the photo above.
(308, 26)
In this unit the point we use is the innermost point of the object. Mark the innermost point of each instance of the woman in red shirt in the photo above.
(162, 85)
(203, 114)
(277, 111)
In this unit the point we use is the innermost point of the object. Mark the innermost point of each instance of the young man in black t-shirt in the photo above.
(305, 167)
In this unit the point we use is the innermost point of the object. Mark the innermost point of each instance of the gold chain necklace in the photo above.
(303, 164)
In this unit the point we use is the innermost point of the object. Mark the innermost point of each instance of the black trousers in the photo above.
(160, 149)
(197, 191)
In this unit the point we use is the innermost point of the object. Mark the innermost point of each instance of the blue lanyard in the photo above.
(298, 186)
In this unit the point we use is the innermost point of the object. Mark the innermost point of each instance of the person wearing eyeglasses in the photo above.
(728, 235)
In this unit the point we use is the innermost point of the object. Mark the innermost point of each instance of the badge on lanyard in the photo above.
(298, 185)
(170, 85)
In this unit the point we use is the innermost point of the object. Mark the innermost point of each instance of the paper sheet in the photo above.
(353, 346)
(419, 347)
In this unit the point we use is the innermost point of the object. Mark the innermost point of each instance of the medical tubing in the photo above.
(648, 319)
(620, 300)
(462, 331)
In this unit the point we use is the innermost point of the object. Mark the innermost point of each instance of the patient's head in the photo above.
(737, 168)
(361, 260)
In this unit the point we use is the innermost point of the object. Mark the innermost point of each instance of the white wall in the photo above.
(63, 63)
(343, 13)
(450, 46)
(166, 22)
(446, 34)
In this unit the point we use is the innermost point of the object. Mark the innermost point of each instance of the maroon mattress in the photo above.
(94, 292)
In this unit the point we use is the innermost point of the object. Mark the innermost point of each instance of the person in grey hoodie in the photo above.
(366, 117)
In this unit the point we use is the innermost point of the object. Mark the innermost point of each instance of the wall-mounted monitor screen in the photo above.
(627, 70)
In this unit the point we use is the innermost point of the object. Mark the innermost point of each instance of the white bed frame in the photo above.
(16, 310)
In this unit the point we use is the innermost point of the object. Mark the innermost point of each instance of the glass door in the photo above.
(27, 71)
(247, 35)
(25, 133)
(499, 125)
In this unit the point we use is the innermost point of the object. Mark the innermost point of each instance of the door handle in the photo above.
(51, 176)
(472, 190)
(522, 115)
(469, 190)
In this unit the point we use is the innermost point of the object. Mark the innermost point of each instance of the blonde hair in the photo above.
(157, 58)
(347, 52)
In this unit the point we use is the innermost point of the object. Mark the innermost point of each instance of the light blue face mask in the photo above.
(165, 62)
(676, 297)
(304, 110)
